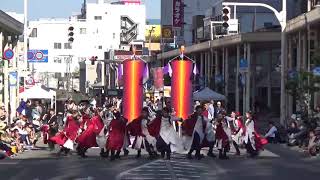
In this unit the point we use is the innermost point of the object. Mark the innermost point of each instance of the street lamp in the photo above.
(282, 18)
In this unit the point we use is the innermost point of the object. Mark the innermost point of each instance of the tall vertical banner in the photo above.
(181, 87)
(132, 88)
(178, 13)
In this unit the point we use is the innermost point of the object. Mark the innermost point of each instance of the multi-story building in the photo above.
(257, 84)
(103, 26)
(10, 30)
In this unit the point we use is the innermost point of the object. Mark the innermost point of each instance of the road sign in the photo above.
(38, 56)
(8, 54)
(316, 71)
(13, 77)
(243, 66)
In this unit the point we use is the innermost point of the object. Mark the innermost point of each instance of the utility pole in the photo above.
(25, 37)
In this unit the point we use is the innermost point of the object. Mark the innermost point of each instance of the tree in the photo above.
(302, 86)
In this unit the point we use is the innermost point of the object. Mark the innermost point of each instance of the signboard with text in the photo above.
(178, 13)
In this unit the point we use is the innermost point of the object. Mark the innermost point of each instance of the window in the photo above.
(97, 17)
(83, 30)
(100, 47)
(67, 46)
(34, 32)
(114, 35)
(57, 60)
(57, 46)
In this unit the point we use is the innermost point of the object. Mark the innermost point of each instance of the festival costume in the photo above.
(167, 139)
(194, 133)
(143, 139)
(252, 140)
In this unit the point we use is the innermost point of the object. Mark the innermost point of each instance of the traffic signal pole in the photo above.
(282, 18)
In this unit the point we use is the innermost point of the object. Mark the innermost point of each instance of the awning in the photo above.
(38, 92)
(207, 94)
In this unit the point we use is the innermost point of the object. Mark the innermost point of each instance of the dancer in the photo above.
(252, 140)
(88, 138)
(116, 137)
(143, 139)
(194, 129)
(67, 137)
(222, 138)
(162, 128)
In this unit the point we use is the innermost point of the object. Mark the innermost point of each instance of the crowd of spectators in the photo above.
(23, 132)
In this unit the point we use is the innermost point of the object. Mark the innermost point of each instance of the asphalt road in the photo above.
(277, 162)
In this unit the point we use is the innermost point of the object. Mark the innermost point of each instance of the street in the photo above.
(277, 162)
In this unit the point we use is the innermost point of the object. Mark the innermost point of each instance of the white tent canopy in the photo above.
(208, 94)
(39, 92)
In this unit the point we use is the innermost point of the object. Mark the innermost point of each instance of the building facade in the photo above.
(102, 27)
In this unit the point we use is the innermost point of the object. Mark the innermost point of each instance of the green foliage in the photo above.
(304, 84)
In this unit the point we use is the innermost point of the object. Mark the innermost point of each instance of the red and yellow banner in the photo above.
(132, 88)
(181, 87)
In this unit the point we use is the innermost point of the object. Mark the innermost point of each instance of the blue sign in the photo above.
(13, 77)
(243, 65)
(316, 71)
(292, 74)
(8, 54)
(38, 56)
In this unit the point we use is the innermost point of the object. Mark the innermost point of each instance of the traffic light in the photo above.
(225, 17)
(70, 34)
(93, 59)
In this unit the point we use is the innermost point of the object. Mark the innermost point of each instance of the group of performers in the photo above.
(160, 133)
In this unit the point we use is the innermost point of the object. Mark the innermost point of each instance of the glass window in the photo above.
(67, 46)
(57, 60)
(100, 47)
(97, 17)
(57, 46)
(83, 30)
(34, 32)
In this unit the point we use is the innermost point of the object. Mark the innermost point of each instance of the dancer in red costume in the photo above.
(252, 140)
(222, 138)
(88, 138)
(167, 138)
(117, 129)
(69, 133)
(194, 127)
(143, 139)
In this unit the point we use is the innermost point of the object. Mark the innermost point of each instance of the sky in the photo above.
(63, 8)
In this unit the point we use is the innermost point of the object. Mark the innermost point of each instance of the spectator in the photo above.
(3, 112)
(28, 111)
(313, 144)
(272, 132)
(211, 111)
(292, 132)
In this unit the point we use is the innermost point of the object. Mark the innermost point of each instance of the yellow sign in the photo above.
(155, 31)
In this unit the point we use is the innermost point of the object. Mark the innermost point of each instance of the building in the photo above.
(219, 59)
(303, 42)
(183, 11)
(10, 30)
(102, 27)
